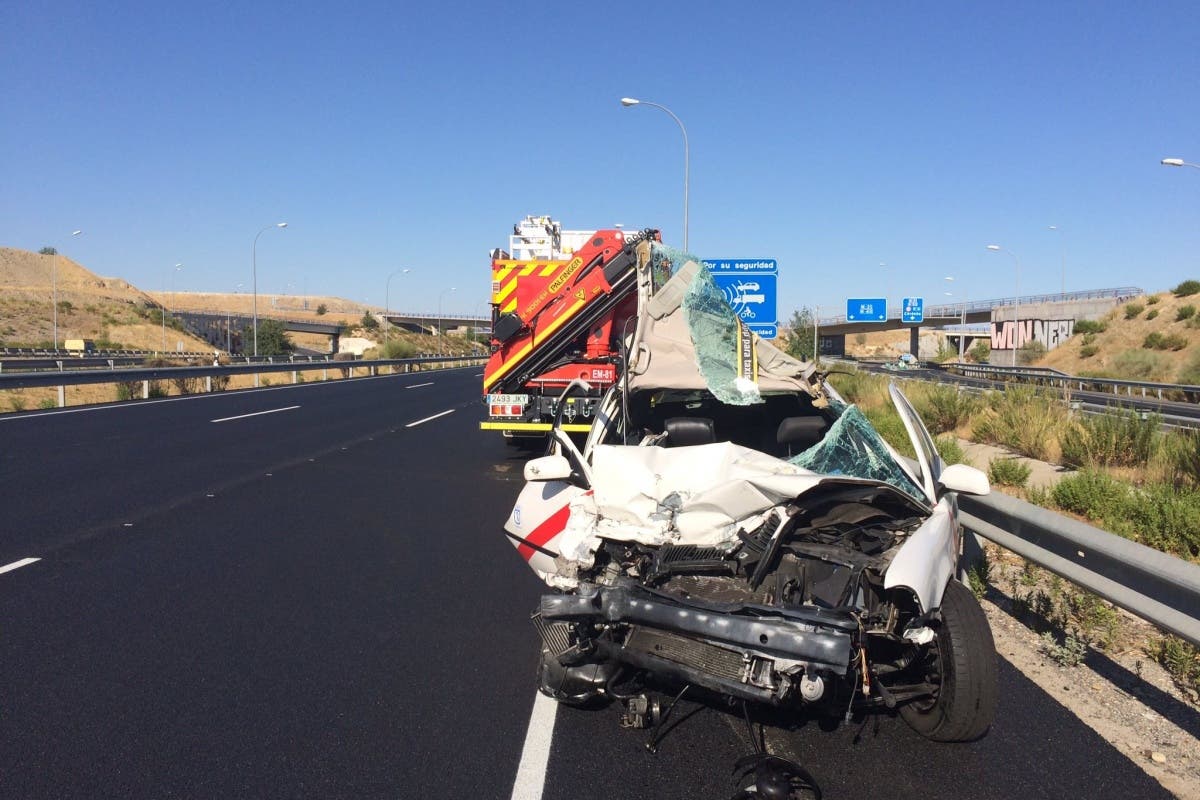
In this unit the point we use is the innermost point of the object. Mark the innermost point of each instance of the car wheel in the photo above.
(961, 665)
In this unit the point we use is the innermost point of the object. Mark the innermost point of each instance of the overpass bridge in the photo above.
(224, 331)
(1060, 306)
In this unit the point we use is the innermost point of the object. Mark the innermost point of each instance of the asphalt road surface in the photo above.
(305, 592)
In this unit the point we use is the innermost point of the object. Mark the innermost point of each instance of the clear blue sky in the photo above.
(829, 136)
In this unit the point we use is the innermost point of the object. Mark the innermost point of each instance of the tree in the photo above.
(798, 342)
(48, 251)
(369, 322)
(273, 339)
(321, 310)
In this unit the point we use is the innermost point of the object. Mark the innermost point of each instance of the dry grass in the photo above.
(1125, 335)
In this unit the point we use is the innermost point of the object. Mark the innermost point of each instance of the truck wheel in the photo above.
(961, 664)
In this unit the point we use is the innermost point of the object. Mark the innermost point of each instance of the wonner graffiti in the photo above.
(1050, 332)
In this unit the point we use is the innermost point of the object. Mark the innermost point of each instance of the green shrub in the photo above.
(322, 310)
(1181, 660)
(1120, 439)
(1152, 313)
(17, 403)
(980, 351)
(1190, 373)
(950, 450)
(369, 322)
(946, 352)
(1088, 350)
(943, 407)
(861, 388)
(1181, 451)
(1030, 352)
(65, 306)
(1184, 312)
(1009, 472)
(1133, 309)
(1069, 653)
(1089, 338)
(1165, 341)
(1140, 365)
(1022, 419)
(1159, 515)
(399, 349)
(1090, 326)
(47, 403)
(1154, 341)
(1152, 299)
(1187, 288)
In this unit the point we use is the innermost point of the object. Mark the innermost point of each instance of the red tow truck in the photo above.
(560, 301)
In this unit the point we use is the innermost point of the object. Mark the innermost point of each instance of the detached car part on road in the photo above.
(732, 525)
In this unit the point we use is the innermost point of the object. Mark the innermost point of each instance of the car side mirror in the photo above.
(964, 480)
(553, 468)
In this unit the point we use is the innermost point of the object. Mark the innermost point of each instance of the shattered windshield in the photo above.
(852, 447)
(725, 351)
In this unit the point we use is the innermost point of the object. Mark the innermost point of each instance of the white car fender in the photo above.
(540, 515)
(926, 562)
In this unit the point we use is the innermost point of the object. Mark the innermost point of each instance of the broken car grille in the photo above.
(556, 636)
(690, 652)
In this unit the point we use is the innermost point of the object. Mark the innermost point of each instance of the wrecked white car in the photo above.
(731, 526)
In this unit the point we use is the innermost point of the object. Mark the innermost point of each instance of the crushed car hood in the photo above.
(700, 495)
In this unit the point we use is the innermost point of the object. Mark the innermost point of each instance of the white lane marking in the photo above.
(255, 414)
(535, 755)
(427, 419)
(419, 385)
(194, 397)
(24, 562)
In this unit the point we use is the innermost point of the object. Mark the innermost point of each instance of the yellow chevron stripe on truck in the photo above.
(541, 336)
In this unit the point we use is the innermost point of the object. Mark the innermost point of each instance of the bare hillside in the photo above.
(1160, 342)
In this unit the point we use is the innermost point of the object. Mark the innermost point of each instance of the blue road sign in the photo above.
(756, 265)
(751, 289)
(866, 309)
(913, 310)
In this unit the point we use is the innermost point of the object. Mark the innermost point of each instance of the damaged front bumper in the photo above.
(738, 649)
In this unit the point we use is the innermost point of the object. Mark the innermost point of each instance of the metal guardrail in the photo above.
(1054, 377)
(1159, 588)
(30, 380)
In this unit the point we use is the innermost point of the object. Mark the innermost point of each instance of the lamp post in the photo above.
(816, 337)
(386, 306)
(995, 248)
(630, 101)
(1178, 162)
(54, 289)
(254, 275)
(167, 310)
(1063, 249)
(440, 296)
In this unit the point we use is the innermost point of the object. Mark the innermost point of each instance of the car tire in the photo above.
(963, 657)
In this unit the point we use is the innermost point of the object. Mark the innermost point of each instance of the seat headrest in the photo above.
(685, 431)
(803, 432)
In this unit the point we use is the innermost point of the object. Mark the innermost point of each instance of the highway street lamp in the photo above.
(1063, 248)
(630, 101)
(386, 307)
(54, 288)
(995, 248)
(440, 296)
(254, 275)
(167, 310)
(1178, 162)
